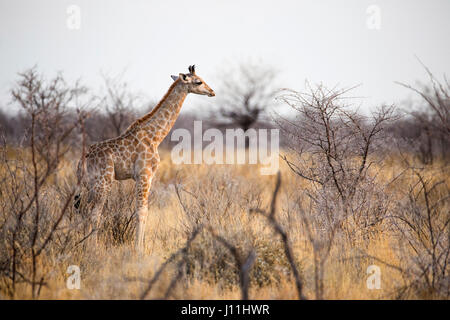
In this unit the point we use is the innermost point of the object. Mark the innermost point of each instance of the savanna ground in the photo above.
(222, 196)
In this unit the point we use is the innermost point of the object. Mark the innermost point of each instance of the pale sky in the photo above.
(326, 41)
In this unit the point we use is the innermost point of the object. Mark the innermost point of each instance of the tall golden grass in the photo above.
(220, 195)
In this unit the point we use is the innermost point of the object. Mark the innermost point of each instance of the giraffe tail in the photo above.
(77, 201)
(81, 170)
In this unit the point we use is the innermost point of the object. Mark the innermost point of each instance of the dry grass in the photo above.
(220, 197)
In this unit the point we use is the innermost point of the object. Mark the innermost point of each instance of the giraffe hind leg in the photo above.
(96, 198)
(142, 192)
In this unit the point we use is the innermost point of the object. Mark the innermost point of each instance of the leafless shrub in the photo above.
(222, 202)
(243, 264)
(335, 151)
(422, 221)
(182, 252)
(320, 220)
(217, 198)
(335, 148)
(28, 224)
(284, 236)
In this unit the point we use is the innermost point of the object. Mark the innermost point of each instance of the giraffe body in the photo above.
(134, 154)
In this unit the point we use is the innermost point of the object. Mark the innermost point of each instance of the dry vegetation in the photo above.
(341, 203)
(222, 198)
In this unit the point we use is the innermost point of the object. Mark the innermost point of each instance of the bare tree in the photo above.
(246, 92)
(333, 148)
(27, 226)
(422, 218)
(335, 139)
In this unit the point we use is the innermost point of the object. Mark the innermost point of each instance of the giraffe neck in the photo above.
(157, 123)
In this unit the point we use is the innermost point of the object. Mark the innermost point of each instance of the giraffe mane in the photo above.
(136, 124)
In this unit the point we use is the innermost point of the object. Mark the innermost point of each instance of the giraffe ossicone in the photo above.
(134, 154)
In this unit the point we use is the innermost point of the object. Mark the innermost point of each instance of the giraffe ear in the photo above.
(183, 77)
(174, 78)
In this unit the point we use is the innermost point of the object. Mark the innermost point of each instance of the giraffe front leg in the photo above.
(143, 184)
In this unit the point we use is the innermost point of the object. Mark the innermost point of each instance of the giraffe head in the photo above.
(193, 83)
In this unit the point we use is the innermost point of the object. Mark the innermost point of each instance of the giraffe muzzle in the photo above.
(211, 94)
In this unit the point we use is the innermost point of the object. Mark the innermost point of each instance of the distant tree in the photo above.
(6, 124)
(431, 119)
(116, 110)
(245, 93)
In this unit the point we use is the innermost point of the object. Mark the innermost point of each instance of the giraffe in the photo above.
(134, 154)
